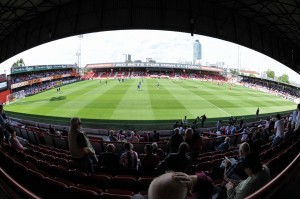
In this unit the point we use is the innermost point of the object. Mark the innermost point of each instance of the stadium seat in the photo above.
(124, 181)
(89, 187)
(60, 143)
(143, 182)
(204, 166)
(204, 159)
(102, 180)
(117, 194)
(79, 193)
(59, 189)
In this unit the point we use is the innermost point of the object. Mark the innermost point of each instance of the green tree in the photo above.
(251, 75)
(19, 63)
(234, 72)
(270, 74)
(284, 78)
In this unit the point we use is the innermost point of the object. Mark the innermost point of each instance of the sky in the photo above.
(162, 46)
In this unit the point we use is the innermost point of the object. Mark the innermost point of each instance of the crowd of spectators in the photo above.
(240, 176)
(37, 88)
(284, 91)
(35, 75)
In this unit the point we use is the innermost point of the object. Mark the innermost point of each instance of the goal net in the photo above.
(15, 96)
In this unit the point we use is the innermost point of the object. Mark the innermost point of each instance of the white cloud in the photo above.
(163, 46)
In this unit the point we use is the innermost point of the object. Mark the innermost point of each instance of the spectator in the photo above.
(257, 142)
(279, 129)
(64, 132)
(258, 176)
(294, 118)
(203, 118)
(179, 185)
(133, 137)
(149, 160)
(15, 143)
(80, 147)
(109, 159)
(156, 136)
(194, 141)
(2, 124)
(179, 161)
(158, 151)
(219, 124)
(244, 135)
(225, 145)
(297, 123)
(175, 140)
(51, 130)
(234, 169)
(112, 136)
(241, 122)
(257, 112)
(129, 158)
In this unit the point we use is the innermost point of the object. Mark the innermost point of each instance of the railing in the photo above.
(13, 188)
(276, 185)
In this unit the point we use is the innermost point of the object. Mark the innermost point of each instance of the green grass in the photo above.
(121, 105)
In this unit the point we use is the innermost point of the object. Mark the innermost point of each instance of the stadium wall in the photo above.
(3, 95)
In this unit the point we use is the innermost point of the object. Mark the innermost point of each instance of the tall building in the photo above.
(197, 52)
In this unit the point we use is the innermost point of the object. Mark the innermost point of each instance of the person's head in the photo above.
(111, 133)
(75, 123)
(165, 186)
(252, 164)
(14, 134)
(257, 134)
(244, 149)
(110, 148)
(128, 146)
(154, 145)
(227, 140)
(188, 133)
(289, 125)
(278, 117)
(183, 148)
(176, 130)
(148, 149)
(132, 133)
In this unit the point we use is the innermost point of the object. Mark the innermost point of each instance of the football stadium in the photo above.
(149, 129)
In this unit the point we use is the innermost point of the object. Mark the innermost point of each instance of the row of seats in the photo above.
(71, 183)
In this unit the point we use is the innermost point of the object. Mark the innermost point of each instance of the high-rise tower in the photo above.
(197, 51)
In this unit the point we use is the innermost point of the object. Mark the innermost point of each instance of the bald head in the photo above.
(165, 186)
(244, 149)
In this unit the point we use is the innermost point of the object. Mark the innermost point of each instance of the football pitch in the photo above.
(121, 104)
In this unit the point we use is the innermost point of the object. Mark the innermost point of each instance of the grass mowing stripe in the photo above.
(208, 102)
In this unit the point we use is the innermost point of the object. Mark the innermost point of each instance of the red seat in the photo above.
(117, 194)
(143, 182)
(204, 166)
(103, 180)
(89, 187)
(204, 159)
(124, 181)
(217, 162)
(78, 192)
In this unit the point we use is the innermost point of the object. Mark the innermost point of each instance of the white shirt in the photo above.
(279, 126)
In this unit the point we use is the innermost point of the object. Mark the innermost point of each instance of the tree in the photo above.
(252, 75)
(270, 74)
(234, 72)
(19, 63)
(284, 78)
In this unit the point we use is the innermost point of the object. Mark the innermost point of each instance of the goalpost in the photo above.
(15, 96)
